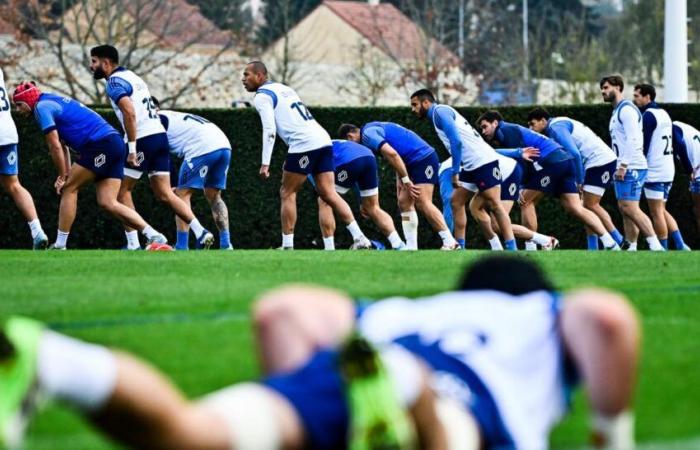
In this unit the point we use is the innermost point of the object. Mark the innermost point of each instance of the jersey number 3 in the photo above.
(303, 110)
(4, 103)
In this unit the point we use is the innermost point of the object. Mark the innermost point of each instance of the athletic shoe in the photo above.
(614, 248)
(361, 243)
(40, 242)
(282, 247)
(19, 396)
(553, 243)
(450, 247)
(205, 240)
(377, 420)
(230, 247)
(403, 248)
(56, 247)
(530, 246)
(686, 248)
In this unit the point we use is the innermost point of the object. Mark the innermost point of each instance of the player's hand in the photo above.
(521, 198)
(620, 173)
(529, 153)
(413, 189)
(264, 172)
(455, 181)
(363, 212)
(132, 160)
(59, 183)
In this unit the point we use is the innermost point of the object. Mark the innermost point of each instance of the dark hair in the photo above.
(489, 116)
(510, 274)
(7, 350)
(538, 114)
(258, 67)
(346, 129)
(613, 80)
(424, 94)
(155, 101)
(105, 51)
(646, 89)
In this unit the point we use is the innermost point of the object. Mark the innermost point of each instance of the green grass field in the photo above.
(188, 314)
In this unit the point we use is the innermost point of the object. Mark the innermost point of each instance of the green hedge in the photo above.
(254, 204)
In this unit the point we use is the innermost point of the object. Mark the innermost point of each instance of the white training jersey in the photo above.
(691, 138)
(446, 164)
(190, 136)
(660, 153)
(506, 165)
(8, 130)
(626, 135)
(282, 112)
(497, 354)
(475, 151)
(594, 151)
(147, 120)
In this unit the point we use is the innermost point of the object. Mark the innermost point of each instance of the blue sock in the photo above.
(678, 239)
(461, 243)
(592, 240)
(617, 236)
(182, 240)
(664, 243)
(510, 245)
(224, 239)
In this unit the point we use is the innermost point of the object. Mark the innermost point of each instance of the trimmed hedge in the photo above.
(254, 204)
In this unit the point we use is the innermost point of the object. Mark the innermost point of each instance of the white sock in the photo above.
(35, 227)
(61, 238)
(446, 237)
(196, 227)
(409, 223)
(654, 244)
(147, 231)
(81, 374)
(288, 240)
(617, 432)
(495, 243)
(329, 243)
(541, 239)
(132, 238)
(395, 240)
(354, 229)
(608, 241)
(633, 247)
(531, 246)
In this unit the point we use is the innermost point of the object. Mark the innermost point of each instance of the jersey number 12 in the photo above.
(303, 110)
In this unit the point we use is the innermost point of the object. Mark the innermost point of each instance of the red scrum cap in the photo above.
(27, 92)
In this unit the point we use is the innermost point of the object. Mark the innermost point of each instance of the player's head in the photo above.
(254, 75)
(644, 94)
(488, 123)
(103, 60)
(421, 100)
(537, 119)
(26, 96)
(510, 274)
(349, 132)
(611, 88)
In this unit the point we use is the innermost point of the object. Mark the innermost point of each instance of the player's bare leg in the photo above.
(325, 186)
(657, 210)
(370, 206)
(696, 209)
(409, 216)
(186, 196)
(219, 211)
(77, 177)
(460, 197)
(326, 221)
(424, 204)
(592, 203)
(22, 198)
(124, 197)
(107, 190)
(492, 201)
(572, 205)
(635, 216)
(528, 201)
(291, 183)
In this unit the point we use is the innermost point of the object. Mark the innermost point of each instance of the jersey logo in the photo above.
(545, 181)
(497, 173)
(140, 157)
(343, 175)
(513, 188)
(429, 172)
(12, 157)
(100, 160)
(203, 171)
(605, 177)
(303, 161)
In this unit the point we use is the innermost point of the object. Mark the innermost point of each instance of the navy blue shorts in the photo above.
(360, 172)
(425, 171)
(510, 187)
(599, 178)
(105, 158)
(554, 179)
(310, 163)
(205, 171)
(153, 155)
(9, 160)
(483, 177)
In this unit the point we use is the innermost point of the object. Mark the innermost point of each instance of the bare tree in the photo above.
(372, 76)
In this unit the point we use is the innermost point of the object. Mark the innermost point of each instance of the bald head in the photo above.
(254, 75)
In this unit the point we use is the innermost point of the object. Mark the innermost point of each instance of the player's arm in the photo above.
(45, 114)
(648, 127)
(264, 104)
(527, 153)
(561, 134)
(445, 121)
(126, 106)
(680, 149)
(374, 138)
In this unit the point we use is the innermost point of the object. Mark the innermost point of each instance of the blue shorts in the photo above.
(483, 177)
(554, 178)
(695, 186)
(510, 187)
(599, 178)
(153, 155)
(654, 190)
(205, 171)
(360, 172)
(631, 187)
(313, 162)
(9, 160)
(105, 158)
(425, 171)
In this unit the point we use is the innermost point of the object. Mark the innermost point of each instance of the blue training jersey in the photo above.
(347, 151)
(407, 144)
(77, 125)
(514, 136)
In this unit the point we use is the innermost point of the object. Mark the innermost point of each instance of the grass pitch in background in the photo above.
(187, 313)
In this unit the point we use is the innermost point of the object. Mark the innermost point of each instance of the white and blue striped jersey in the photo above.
(658, 145)
(626, 135)
(8, 130)
(282, 112)
(190, 136)
(594, 152)
(686, 145)
(125, 83)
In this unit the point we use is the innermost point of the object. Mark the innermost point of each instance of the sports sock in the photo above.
(616, 432)
(664, 243)
(446, 237)
(592, 240)
(632, 246)
(531, 246)
(511, 245)
(354, 230)
(607, 240)
(35, 227)
(224, 239)
(395, 240)
(617, 236)
(183, 240)
(654, 244)
(196, 228)
(61, 238)
(288, 240)
(541, 239)
(495, 243)
(329, 243)
(132, 237)
(678, 241)
(462, 243)
(409, 223)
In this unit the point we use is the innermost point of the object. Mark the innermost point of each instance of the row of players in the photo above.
(568, 157)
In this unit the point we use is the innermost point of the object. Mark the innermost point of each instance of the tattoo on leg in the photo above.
(220, 213)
